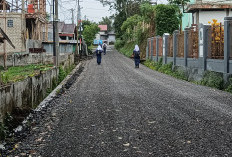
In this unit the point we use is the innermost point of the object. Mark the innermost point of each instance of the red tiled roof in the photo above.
(103, 27)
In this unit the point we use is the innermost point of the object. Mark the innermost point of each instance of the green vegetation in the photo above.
(128, 49)
(165, 68)
(213, 79)
(18, 73)
(89, 33)
(229, 86)
(147, 22)
(210, 79)
(166, 20)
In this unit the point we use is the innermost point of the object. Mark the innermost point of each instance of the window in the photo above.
(10, 23)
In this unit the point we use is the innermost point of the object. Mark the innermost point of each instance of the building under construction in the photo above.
(25, 23)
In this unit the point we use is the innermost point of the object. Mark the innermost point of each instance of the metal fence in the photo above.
(193, 50)
(170, 46)
(217, 42)
(180, 52)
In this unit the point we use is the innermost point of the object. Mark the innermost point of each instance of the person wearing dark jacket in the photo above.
(98, 54)
(136, 54)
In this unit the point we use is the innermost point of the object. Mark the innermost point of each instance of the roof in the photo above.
(68, 28)
(103, 27)
(207, 6)
(60, 26)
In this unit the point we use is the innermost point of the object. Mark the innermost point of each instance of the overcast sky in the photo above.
(92, 9)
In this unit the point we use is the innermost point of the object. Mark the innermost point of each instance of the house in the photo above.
(111, 37)
(67, 32)
(67, 38)
(204, 11)
(104, 36)
(26, 29)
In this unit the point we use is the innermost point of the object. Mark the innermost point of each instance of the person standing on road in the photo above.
(104, 47)
(98, 53)
(136, 54)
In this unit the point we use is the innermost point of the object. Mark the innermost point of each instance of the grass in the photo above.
(18, 73)
(165, 68)
(127, 49)
(210, 78)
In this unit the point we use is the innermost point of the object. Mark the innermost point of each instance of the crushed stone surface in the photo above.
(116, 110)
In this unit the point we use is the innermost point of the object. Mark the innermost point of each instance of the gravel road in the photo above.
(116, 110)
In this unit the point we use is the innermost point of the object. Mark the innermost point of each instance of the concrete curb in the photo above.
(53, 94)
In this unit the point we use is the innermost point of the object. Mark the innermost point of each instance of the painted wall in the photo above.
(214, 1)
(205, 16)
(186, 20)
(111, 38)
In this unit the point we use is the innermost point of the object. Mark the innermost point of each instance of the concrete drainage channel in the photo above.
(24, 128)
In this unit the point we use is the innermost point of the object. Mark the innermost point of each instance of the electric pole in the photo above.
(55, 34)
(72, 10)
(77, 55)
(4, 44)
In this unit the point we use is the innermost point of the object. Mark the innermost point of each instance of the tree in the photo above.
(85, 23)
(106, 21)
(180, 4)
(167, 20)
(89, 33)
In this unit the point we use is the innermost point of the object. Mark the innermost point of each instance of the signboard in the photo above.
(96, 42)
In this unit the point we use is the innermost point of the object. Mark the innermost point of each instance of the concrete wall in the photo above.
(64, 47)
(25, 94)
(20, 59)
(28, 93)
(14, 33)
(33, 44)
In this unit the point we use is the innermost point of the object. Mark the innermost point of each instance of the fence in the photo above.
(217, 42)
(205, 47)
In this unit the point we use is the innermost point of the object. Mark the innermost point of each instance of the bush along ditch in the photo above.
(210, 78)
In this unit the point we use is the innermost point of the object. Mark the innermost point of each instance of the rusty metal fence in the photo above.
(154, 47)
(217, 42)
(170, 46)
(180, 52)
(193, 50)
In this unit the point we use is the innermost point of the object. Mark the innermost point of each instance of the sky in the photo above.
(92, 9)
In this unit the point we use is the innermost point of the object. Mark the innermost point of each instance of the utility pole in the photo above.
(55, 34)
(72, 10)
(4, 44)
(77, 55)
(23, 24)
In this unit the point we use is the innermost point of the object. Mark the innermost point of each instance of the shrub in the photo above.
(119, 44)
(229, 86)
(212, 79)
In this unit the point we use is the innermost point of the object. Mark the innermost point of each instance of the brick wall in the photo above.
(14, 33)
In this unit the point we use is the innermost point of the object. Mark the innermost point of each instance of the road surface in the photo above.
(116, 110)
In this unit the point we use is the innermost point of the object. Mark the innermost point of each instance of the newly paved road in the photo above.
(115, 110)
